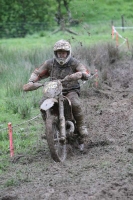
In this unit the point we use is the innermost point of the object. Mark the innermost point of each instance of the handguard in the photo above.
(32, 86)
(85, 76)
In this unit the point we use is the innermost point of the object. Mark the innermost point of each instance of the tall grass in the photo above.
(15, 69)
(16, 105)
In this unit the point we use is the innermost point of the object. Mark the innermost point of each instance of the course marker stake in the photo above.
(10, 139)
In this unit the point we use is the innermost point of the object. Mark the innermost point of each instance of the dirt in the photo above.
(105, 171)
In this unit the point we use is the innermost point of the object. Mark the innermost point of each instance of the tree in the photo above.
(19, 17)
(63, 16)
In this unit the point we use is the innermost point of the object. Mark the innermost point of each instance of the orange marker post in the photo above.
(10, 139)
(117, 39)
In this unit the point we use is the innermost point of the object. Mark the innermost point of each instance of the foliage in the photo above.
(23, 15)
(63, 12)
(19, 18)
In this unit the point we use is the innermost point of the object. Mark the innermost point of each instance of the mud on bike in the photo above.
(56, 110)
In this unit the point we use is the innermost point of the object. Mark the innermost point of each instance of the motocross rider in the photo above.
(59, 67)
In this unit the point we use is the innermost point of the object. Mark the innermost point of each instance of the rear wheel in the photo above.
(57, 148)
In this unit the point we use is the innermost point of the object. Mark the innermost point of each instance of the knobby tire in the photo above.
(57, 149)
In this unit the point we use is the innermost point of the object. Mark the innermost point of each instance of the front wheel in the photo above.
(57, 148)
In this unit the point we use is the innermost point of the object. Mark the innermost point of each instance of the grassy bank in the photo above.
(100, 11)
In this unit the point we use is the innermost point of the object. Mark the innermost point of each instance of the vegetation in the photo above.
(19, 18)
(100, 11)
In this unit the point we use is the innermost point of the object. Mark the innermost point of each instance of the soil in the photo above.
(105, 170)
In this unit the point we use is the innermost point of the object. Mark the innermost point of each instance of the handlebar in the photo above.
(73, 77)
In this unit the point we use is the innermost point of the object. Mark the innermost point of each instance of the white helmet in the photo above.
(62, 45)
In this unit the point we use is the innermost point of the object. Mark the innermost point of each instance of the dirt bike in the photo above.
(56, 111)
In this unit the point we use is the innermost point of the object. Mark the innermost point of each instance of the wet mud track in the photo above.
(104, 172)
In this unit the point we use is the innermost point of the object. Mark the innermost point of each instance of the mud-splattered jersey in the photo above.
(56, 71)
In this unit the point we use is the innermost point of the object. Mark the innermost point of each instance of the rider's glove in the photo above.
(85, 76)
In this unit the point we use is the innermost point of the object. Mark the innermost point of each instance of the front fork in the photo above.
(62, 123)
(62, 118)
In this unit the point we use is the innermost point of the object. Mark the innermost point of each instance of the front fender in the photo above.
(48, 103)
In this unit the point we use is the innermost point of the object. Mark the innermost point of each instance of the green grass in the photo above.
(100, 11)
(87, 35)
(26, 138)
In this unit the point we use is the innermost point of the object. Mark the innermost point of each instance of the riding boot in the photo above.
(78, 114)
(80, 122)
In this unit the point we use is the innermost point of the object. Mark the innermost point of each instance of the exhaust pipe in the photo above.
(70, 127)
